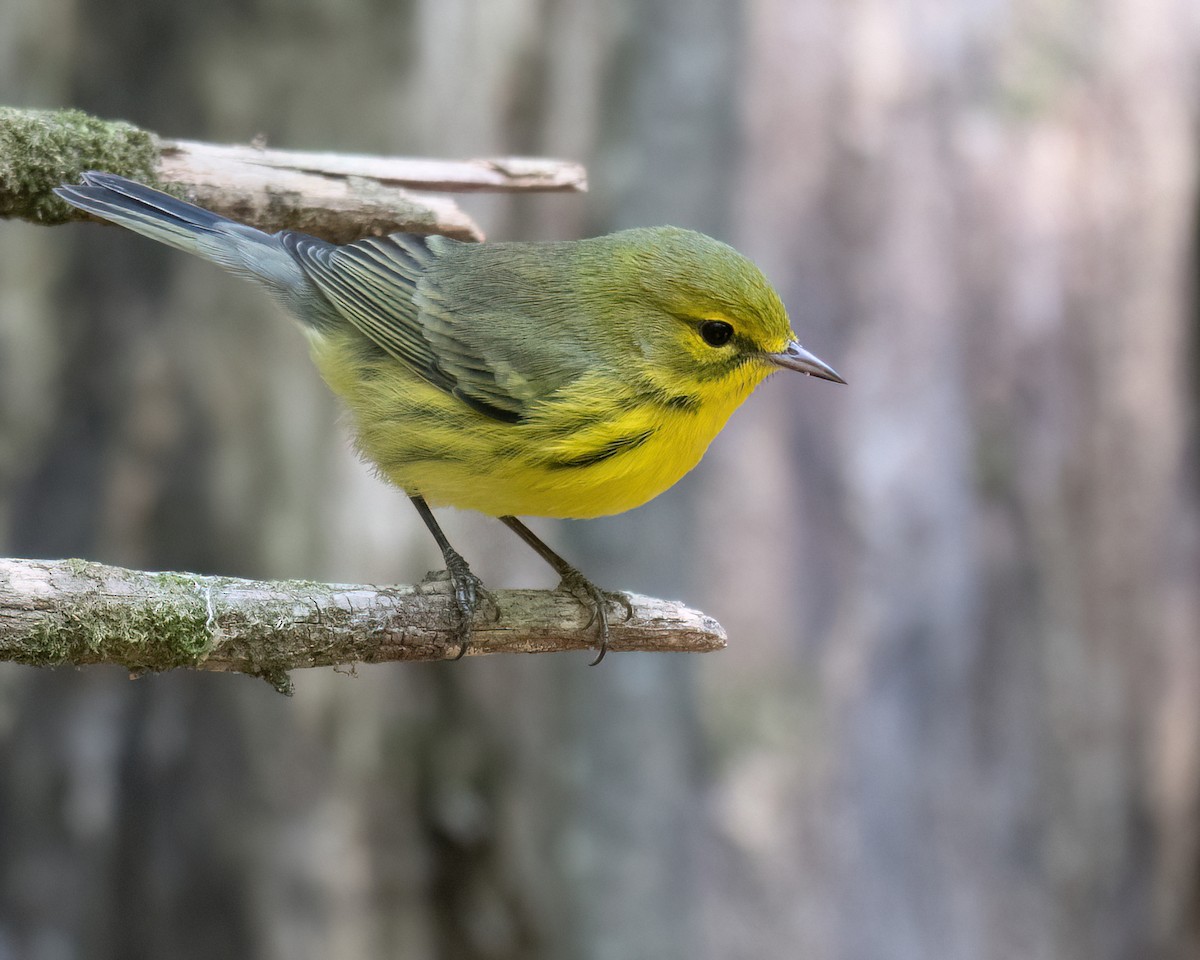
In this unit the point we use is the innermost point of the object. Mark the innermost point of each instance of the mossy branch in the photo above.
(338, 197)
(72, 612)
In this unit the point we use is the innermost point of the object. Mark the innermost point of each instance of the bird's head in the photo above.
(703, 313)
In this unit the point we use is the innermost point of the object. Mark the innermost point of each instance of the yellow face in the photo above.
(703, 317)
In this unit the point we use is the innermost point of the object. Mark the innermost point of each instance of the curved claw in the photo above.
(468, 590)
(596, 600)
(574, 582)
(624, 601)
(600, 612)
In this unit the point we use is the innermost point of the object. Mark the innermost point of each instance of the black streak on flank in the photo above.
(686, 402)
(611, 449)
(487, 409)
(657, 397)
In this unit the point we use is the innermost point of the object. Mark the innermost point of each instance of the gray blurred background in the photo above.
(959, 715)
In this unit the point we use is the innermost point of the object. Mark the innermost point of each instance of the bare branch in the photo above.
(76, 612)
(505, 174)
(338, 197)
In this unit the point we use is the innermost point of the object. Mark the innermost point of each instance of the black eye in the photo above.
(716, 333)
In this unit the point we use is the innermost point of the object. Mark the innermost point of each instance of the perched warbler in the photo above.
(570, 379)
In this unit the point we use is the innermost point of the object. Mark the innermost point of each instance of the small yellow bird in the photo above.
(569, 379)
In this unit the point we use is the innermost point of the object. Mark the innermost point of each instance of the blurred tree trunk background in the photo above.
(960, 711)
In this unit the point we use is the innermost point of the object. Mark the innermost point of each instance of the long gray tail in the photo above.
(236, 247)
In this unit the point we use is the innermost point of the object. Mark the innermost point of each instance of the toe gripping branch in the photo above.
(469, 590)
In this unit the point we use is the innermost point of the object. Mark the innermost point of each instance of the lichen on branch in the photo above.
(55, 613)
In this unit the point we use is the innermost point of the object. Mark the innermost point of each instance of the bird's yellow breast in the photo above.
(598, 446)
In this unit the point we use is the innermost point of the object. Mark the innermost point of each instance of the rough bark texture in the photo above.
(72, 613)
(338, 197)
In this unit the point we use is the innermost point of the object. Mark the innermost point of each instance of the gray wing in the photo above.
(400, 294)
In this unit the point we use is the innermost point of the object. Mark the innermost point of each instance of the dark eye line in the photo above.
(723, 367)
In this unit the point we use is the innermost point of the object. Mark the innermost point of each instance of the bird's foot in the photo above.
(596, 601)
(469, 593)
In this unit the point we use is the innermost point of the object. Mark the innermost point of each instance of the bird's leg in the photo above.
(468, 588)
(574, 582)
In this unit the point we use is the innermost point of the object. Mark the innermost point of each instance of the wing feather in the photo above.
(451, 323)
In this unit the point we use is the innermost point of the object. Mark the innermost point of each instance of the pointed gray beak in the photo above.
(795, 357)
